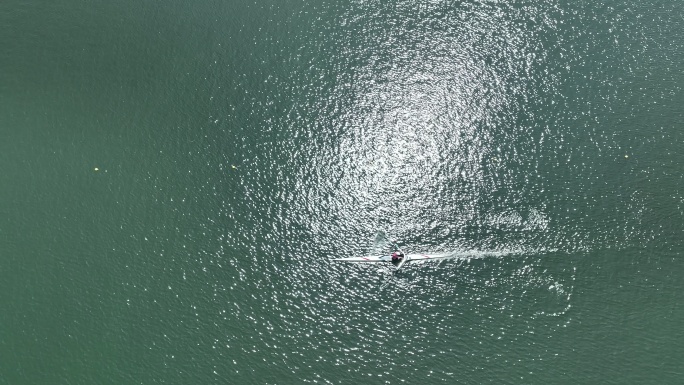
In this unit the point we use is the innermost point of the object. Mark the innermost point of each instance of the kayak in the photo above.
(388, 258)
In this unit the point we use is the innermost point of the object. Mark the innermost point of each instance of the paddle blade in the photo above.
(379, 242)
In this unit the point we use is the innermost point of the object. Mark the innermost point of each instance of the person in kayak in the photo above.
(397, 257)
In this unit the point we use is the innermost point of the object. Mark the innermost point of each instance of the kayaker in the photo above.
(397, 256)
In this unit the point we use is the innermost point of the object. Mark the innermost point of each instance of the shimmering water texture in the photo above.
(178, 177)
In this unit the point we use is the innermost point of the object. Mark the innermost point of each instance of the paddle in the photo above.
(403, 261)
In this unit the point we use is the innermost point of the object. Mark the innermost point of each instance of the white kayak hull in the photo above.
(387, 258)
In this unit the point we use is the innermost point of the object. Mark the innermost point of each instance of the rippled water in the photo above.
(178, 177)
